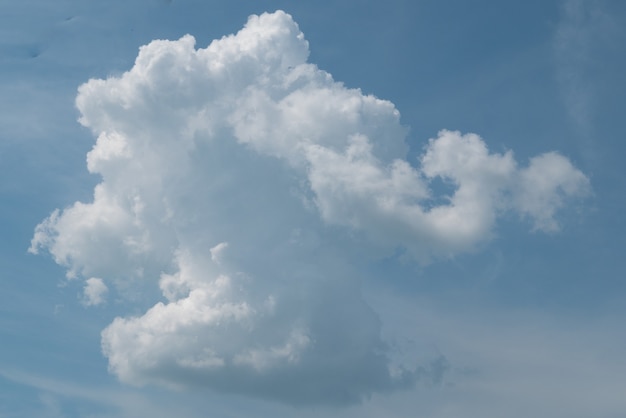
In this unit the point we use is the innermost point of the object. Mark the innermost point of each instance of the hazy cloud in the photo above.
(583, 36)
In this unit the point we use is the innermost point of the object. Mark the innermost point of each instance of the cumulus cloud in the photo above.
(94, 292)
(229, 173)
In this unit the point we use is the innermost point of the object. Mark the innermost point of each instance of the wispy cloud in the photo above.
(584, 27)
(94, 292)
(54, 396)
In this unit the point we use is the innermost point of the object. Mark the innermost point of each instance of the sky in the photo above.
(333, 208)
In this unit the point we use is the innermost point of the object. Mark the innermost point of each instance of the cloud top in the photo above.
(229, 175)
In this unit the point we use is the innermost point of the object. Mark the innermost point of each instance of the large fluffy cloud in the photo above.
(229, 176)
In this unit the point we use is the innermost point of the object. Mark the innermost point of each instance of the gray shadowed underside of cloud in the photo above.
(229, 175)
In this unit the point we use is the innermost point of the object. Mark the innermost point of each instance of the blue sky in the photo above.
(348, 209)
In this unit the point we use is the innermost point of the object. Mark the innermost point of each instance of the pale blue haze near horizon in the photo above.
(520, 315)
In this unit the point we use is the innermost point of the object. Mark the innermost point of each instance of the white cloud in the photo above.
(94, 292)
(543, 186)
(245, 142)
(394, 205)
(217, 251)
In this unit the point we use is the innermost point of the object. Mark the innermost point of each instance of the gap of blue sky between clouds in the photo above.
(233, 177)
